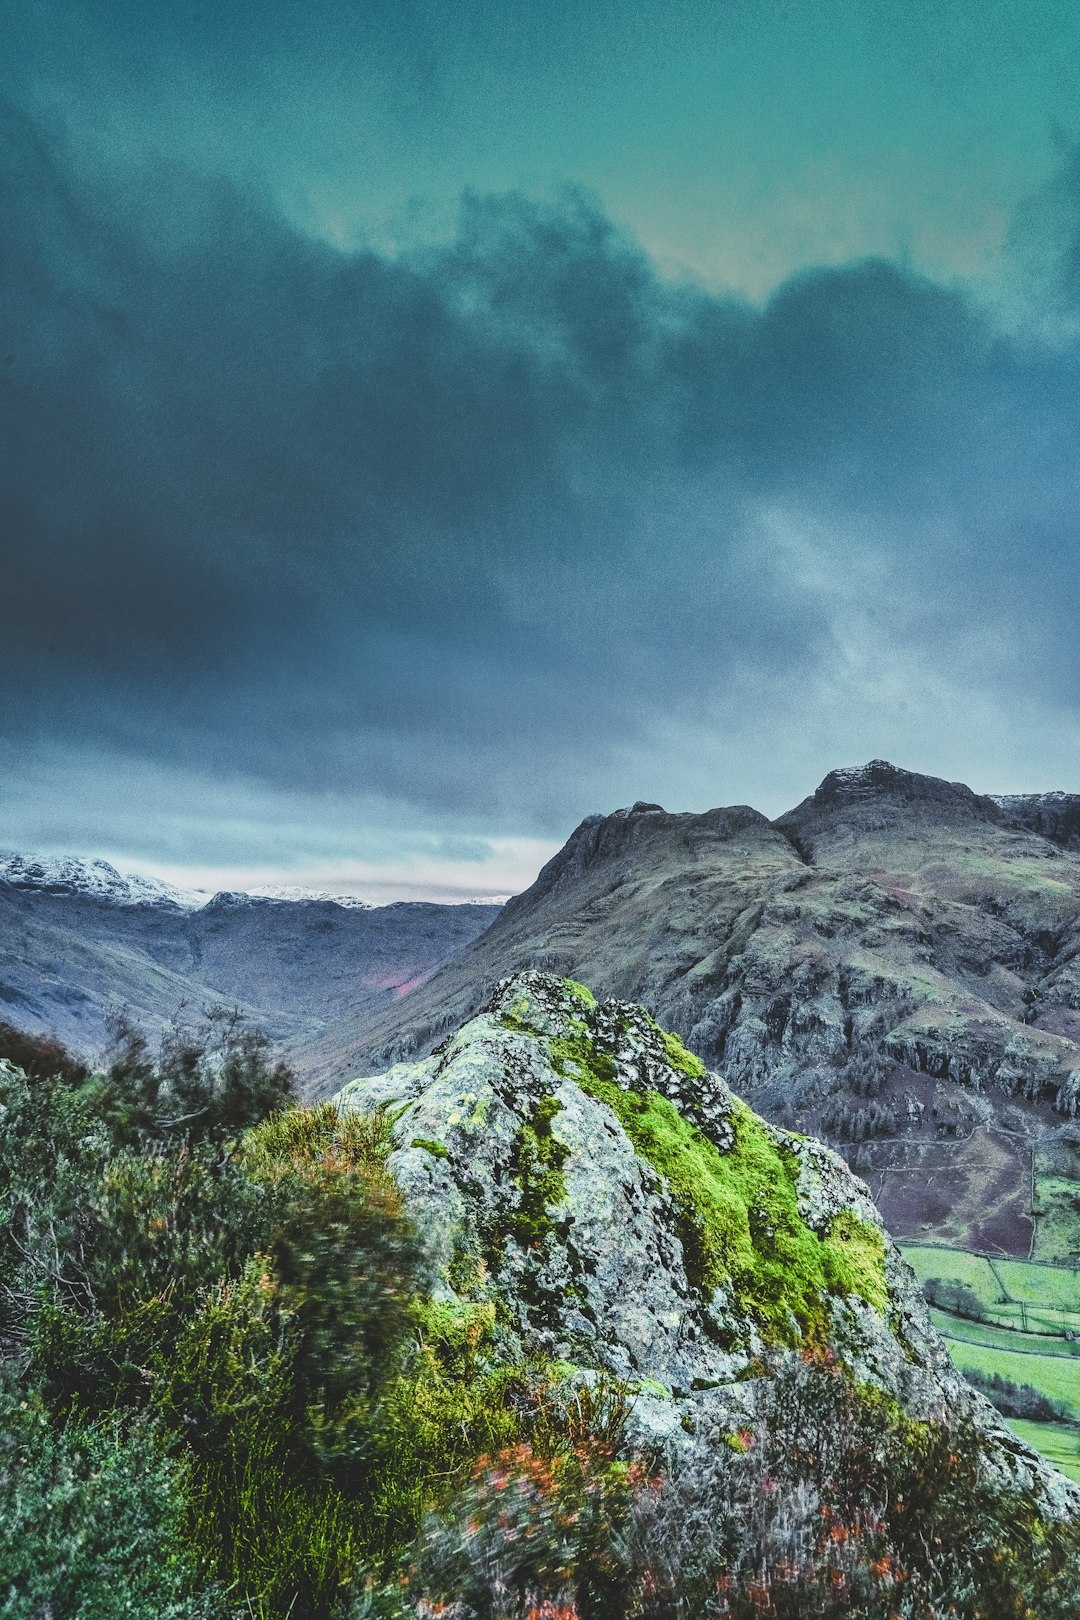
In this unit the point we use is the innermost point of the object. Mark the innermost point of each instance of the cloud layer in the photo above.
(507, 527)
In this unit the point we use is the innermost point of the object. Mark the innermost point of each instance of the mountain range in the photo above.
(80, 942)
(893, 965)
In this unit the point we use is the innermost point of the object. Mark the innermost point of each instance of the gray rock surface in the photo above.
(595, 1273)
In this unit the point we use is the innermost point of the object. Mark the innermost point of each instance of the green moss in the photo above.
(537, 1168)
(653, 1387)
(738, 1216)
(438, 1150)
(580, 991)
(854, 1255)
(679, 1058)
(517, 1016)
(576, 1055)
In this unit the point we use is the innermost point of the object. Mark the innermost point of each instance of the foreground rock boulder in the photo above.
(573, 1164)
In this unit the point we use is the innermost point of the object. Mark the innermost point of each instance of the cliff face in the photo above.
(1054, 815)
(625, 1212)
(895, 964)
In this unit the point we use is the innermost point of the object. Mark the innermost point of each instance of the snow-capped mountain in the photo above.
(66, 874)
(293, 891)
(81, 941)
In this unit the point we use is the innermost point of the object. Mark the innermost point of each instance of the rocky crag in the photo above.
(623, 1211)
(894, 964)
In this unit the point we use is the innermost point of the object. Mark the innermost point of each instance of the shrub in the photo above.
(1016, 1400)
(535, 1536)
(454, 1398)
(40, 1057)
(91, 1523)
(208, 1080)
(252, 1297)
(833, 1504)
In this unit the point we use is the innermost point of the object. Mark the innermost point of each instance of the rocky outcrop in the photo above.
(625, 1212)
(1053, 815)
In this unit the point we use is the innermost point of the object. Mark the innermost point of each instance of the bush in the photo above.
(454, 1398)
(533, 1535)
(91, 1521)
(40, 1057)
(208, 1080)
(248, 1296)
(1016, 1400)
(833, 1504)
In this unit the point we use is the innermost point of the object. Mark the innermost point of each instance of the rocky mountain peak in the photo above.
(857, 807)
(648, 832)
(853, 785)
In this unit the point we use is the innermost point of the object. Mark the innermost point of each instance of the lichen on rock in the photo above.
(620, 1210)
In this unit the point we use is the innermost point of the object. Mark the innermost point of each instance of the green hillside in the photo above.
(1016, 1322)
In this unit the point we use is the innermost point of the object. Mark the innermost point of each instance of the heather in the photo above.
(237, 1382)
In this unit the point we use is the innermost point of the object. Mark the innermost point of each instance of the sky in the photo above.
(424, 425)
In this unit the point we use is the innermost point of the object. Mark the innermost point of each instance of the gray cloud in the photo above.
(480, 528)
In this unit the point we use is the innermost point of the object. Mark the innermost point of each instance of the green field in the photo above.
(1003, 1338)
(1056, 1377)
(1028, 1310)
(1059, 1444)
(1003, 1286)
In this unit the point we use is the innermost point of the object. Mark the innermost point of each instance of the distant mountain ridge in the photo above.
(894, 963)
(71, 874)
(80, 941)
(67, 874)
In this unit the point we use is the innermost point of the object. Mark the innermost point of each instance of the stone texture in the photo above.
(607, 1287)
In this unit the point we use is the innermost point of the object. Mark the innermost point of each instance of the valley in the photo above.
(1010, 1326)
(79, 943)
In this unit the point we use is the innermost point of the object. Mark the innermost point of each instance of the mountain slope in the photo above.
(893, 963)
(78, 942)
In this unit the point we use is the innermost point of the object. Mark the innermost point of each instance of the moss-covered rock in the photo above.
(616, 1207)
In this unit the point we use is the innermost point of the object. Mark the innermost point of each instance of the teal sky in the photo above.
(425, 424)
(736, 141)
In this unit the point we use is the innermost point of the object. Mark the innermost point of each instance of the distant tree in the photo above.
(954, 1297)
(1015, 1400)
(39, 1056)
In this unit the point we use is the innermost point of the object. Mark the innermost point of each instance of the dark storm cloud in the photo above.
(463, 525)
